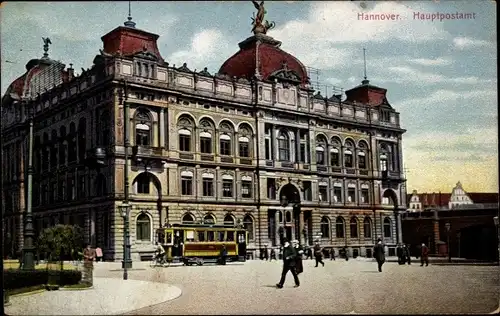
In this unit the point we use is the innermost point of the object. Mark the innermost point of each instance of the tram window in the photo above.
(210, 236)
(190, 235)
(230, 236)
(201, 236)
(221, 236)
(169, 238)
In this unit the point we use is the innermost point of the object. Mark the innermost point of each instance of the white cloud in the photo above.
(432, 62)
(205, 49)
(318, 40)
(466, 43)
(483, 98)
(406, 74)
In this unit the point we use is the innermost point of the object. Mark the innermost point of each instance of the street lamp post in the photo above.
(126, 263)
(29, 235)
(448, 227)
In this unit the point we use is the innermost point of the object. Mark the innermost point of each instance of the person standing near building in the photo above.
(406, 254)
(379, 254)
(88, 263)
(332, 254)
(318, 254)
(399, 253)
(424, 255)
(223, 255)
(289, 261)
(272, 255)
(299, 267)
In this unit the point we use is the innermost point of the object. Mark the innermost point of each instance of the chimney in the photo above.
(71, 72)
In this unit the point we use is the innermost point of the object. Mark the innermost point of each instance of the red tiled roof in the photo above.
(130, 41)
(483, 198)
(367, 94)
(434, 199)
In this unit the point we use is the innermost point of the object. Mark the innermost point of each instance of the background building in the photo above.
(252, 145)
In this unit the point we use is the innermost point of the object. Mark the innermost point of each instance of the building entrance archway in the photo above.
(284, 222)
(389, 197)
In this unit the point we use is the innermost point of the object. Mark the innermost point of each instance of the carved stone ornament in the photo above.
(184, 68)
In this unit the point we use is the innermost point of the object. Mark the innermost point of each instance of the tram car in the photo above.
(199, 244)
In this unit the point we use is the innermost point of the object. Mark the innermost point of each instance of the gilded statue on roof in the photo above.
(259, 25)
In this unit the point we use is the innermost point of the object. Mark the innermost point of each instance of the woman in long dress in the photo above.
(299, 268)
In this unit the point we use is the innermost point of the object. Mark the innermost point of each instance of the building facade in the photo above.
(253, 145)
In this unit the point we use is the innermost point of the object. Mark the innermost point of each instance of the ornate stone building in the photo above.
(252, 145)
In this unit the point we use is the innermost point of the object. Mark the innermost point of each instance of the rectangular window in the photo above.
(283, 150)
(142, 137)
(244, 149)
(205, 145)
(201, 236)
(323, 193)
(210, 235)
(227, 188)
(302, 156)
(184, 142)
(246, 189)
(361, 162)
(225, 147)
(334, 159)
(320, 157)
(72, 189)
(351, 194)
(364, 196)
(348, 160)
(337, 194)
(82, 189)
(186, 186)
(307, 190)
(268, 149)
(208, 187)
(271, 188)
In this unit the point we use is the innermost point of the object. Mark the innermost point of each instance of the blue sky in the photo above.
(441, 76)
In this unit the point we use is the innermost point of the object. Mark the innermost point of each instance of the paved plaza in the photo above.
(353, 287)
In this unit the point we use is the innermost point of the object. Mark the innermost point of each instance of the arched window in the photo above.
(244, 148)
(348, 154)
(320, 150)
(354, 227)
(185, 128)
(325, 227)
(339, 227)
(143, 228)
(62, 145)
(225, 139)
(143, 128)
(387, 227)
(283, 146)
(53, 149)
(82, 140)
(362, 148)
(384, 158)
(248, 225)
(72, 143)
(143, 183)
(209, 219)
(187, 219)
(206, 132)
(104, 129)
(229, 220)
(367, 227)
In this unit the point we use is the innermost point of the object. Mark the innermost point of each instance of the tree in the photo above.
(60, 241)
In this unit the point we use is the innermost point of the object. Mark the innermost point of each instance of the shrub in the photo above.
(15, 279)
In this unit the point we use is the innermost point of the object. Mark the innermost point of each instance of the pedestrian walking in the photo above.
(332, 254)
(424, 255)
(299, 267)
(399, 253)
(223, 255)
(272, 254)
(346, 254)
(379, 254)
(289, 262)
(406, 254)
(318, 254)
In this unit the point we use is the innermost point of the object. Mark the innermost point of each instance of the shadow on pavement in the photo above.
(271, 286)
(370, 271)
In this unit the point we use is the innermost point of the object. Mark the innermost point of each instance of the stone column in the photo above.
(301, 228)
(276, 227)
(273, 143)
(297, 146)
(399, 230)
(162, 128)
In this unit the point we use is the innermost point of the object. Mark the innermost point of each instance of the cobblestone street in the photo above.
(339, 288)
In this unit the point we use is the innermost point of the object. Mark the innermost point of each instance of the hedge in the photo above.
(15, 279)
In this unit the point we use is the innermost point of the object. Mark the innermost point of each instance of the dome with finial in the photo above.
(261, 57)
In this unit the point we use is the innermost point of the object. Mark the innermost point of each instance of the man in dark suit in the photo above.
(299, 268)
(289, 262)
(424, 255)
(379, 254)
